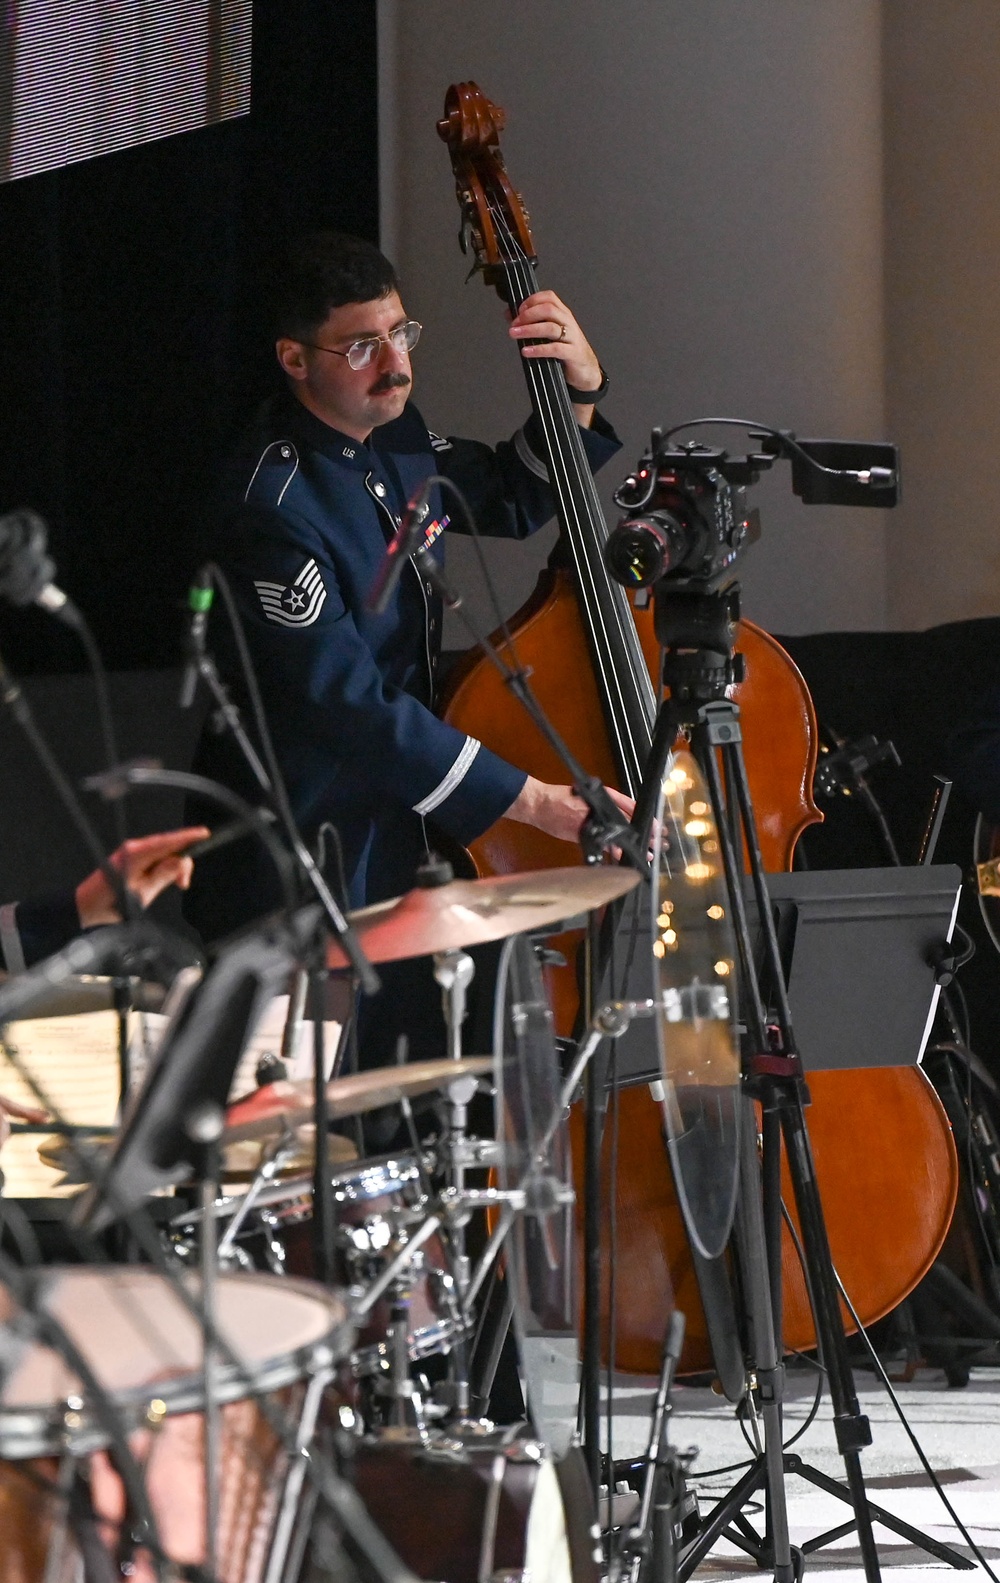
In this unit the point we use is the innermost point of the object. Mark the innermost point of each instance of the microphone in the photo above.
(26, 570)
(200, 597)
(409, 537)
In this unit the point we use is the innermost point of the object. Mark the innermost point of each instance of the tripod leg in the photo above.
(851, 1426)
(768, 1365)
(718, 727)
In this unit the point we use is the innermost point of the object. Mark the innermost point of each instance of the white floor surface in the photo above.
(959, 1431)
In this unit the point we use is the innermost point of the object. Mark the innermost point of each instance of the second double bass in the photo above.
(594, 664)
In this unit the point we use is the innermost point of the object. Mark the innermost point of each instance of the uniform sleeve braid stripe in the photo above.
(452, 780)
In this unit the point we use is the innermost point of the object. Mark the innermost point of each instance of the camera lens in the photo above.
(641, 550)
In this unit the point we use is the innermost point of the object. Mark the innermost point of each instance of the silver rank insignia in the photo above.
(294, 604)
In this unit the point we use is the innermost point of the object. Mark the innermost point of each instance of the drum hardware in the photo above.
(454, 971)
(541, 1191)
(472, 1153)
(275, 1155)
(265, 1112)
(197, 1060)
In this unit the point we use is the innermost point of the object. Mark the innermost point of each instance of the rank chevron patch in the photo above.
(294, 604)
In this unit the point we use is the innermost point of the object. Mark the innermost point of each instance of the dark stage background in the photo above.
(132, 345)
(131, 333)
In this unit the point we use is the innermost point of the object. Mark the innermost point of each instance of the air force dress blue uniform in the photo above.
(306, 515)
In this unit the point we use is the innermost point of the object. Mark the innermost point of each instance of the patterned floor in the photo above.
(959, 1431)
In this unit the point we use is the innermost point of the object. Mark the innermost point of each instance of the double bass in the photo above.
(884, 1154)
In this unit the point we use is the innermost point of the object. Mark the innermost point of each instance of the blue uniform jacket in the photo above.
(306, 516)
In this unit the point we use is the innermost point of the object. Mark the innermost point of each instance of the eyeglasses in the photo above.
(361, 354)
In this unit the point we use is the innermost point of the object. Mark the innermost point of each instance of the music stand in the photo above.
(859, 947)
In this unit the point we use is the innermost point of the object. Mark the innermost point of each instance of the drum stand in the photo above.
(696, 631)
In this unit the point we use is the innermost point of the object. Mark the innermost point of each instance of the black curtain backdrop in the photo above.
(132, 338)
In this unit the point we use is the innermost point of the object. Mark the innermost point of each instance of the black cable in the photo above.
(13, 697)
(816, 1401)
(278, 789)
(957, 991)
(883, 1376)
(113, 784)
(112, 756)
(731, 1467)
(477, 540)
(785, 440)
(800, 1254)
(979, 1174)
(328, 831)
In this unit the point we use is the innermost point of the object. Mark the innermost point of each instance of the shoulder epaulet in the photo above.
(438, 441)
(273, 472)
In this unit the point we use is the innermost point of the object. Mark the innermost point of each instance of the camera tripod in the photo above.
(696, 631)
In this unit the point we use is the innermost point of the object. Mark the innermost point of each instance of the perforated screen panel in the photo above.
(80, 78)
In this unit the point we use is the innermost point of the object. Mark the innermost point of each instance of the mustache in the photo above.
(390, 382)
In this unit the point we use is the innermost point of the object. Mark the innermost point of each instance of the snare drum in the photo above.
(378, 1204)
(145, 1348)
(489, 1506)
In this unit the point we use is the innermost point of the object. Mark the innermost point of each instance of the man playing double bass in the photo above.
(315, 493)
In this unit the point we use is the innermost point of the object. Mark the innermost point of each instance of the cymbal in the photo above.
(84, 993)
(473, 911)
(268, 1111)
(239, 1159)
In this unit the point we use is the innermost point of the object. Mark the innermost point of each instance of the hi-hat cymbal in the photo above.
(270, 1110)
(473, 911)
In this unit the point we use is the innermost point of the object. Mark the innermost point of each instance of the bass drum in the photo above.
(482, 1506)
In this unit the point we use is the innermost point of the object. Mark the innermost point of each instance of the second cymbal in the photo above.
(283, 1105)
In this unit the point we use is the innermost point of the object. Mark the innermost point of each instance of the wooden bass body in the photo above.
(885, 1157)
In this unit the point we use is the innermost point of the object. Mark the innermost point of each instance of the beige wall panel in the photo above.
(705, 185)
(942, 134)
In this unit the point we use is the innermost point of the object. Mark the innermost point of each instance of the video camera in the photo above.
(687, 518)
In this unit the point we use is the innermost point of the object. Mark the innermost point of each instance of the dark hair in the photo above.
(323, 271)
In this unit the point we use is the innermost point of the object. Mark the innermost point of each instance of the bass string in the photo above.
(615, 642)
(611, 657)
(552, 386)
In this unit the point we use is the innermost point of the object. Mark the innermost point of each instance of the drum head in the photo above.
(540, 1248)
(694, 977)
(142, 1343)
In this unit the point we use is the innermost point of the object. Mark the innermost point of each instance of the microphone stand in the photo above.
(606, 827)
(314, 966)
(340, 928)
